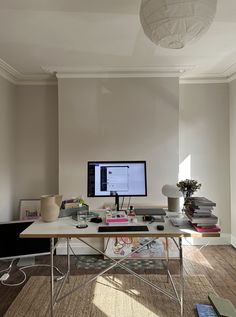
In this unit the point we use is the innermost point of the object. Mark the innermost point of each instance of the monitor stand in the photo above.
(117, 202)
(113, 193)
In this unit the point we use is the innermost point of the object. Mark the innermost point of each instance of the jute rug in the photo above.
(110, 296)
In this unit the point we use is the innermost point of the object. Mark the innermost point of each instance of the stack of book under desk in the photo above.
(199, 211)
(220, 307)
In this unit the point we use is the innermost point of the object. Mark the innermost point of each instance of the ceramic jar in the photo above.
(50, 207)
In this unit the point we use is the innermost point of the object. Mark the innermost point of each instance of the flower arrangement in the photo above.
(188, 187)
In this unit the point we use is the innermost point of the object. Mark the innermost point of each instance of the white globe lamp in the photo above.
(173, 194)
(174, 23)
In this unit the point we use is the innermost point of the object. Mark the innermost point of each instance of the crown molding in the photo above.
(207, 79)
(51, 73)
(36, 80)
(233, 77)
(117, 72)
(228, 75)
(157, 71)
(7, 72)
(17, 78)
(203, 80)
(220, 78)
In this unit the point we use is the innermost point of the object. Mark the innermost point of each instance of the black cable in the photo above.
(21, 270)
(8, 269)
(122, 203)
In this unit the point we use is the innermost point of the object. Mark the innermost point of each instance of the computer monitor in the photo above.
(117, 178)
(12, 246)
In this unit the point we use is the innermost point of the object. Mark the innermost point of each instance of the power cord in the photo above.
(9, 267)
(24, 274)
(6, 271)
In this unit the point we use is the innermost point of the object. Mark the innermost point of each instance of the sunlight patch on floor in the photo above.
(197, 258)
(133, 292)
(113, 298)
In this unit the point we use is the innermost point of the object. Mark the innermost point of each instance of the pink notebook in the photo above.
(204, 229)
(117, 217)
(117, 220)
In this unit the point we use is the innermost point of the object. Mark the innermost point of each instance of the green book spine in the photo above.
(222, 306)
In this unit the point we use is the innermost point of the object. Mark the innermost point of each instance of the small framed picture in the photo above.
(29, 209)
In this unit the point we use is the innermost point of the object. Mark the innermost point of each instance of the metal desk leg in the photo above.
(52, 276)
(66, 275)
(181, 277)
(167, 259)
(68, 259)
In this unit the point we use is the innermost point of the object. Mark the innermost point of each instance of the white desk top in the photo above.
(66, 228)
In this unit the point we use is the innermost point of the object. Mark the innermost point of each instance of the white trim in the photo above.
(17, 78)
(233, 241)
(78, 247)
(230, 70)
(48, 78)
(37, 82)
(203, 80)
(224, 239)
(8, 69)
(233, 77)
(82, 249)
(117, 75)
(207, 79)
(114, 69)
(118, 72)
(6, 75)
(34, 79)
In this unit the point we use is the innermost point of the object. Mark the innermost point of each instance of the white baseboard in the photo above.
(224, 239)
(233, 241)
(82, 249)
(79, 247)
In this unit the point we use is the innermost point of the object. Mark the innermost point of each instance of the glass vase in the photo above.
(186, 195)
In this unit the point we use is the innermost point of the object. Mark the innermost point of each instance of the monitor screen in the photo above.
(12, 246)
(124, 178)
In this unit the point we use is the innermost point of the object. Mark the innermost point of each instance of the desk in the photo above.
(66, 228)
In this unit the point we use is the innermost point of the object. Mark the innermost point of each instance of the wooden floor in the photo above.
(217, 263)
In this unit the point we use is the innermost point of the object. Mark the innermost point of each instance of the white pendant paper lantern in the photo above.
(173, 23)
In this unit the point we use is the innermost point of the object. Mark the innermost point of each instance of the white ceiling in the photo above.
(88, 37)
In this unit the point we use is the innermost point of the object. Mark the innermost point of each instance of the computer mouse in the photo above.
(96, 219)
(160, 227)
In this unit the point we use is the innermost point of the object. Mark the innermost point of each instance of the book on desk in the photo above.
(150, 211)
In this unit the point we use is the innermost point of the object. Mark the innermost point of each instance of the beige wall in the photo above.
(118, 119)
(36, 142)
(204, 139)
(7, 149)
(232, 94)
